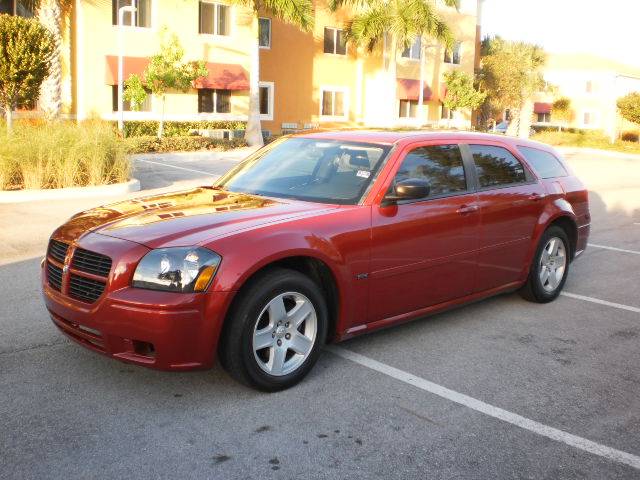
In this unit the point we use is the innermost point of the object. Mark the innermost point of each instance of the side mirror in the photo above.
(409, 189)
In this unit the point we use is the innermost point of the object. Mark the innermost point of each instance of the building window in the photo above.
(544, 117)
(412, 52)
(126, 105)
(446, 114)
(140, 18)
(214, 18)
(453, 56)
(264, 32)
(588, 118)
(589, 86)
(335, 41)
(21, 8)
(266, 100)
(214, 100)
(408, 109)
(334, 103)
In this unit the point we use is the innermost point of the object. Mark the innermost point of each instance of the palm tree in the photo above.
(399, 23)
(296, 12)
(51, 14)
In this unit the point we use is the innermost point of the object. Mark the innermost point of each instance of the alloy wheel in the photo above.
(284, 333)
(553, 262)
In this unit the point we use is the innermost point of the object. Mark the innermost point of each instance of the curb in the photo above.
(20, 196)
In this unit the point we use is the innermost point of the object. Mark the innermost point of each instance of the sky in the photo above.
(606, 28)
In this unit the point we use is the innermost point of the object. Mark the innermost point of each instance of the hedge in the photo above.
(151, 144)
(148, 128)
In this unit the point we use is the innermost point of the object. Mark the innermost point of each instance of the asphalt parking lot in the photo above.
(499, 389)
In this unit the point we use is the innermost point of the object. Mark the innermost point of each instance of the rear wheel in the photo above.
(275, 331)
(549, 268)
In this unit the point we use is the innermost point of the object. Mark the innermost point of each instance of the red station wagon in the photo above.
(311, 239)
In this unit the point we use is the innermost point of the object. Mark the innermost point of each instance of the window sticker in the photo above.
(363, 174)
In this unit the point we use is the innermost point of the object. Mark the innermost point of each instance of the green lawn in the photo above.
(586, 140)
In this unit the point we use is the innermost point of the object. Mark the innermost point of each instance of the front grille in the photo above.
(91, 262)
(57, 250)
(54, 276)
(85, 289)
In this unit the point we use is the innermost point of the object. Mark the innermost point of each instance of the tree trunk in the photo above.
(526, 111)
(513, 128)
(51, 89)
(8, 112)
(421, 92)
(253, 132)
(393, 89)
(161, 123)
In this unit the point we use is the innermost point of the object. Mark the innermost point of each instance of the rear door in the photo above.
(423, 251)
(511, 201)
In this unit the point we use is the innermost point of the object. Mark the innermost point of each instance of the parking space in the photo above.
(499, 389)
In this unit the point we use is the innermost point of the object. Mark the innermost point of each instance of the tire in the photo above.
(545, 281)
(278, 295)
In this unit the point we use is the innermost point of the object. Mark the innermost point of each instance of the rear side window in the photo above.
(496, 166)
(544, 163)
(440, 165)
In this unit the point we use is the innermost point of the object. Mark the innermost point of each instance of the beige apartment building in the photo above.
(307, 80)
(593, 85)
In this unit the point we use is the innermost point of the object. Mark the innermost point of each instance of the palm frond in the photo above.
(355, 4)
(368, 28)
(296, 12)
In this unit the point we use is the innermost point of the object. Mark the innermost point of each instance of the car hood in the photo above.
(185, 218)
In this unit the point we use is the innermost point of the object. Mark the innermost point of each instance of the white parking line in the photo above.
(179, 168)
(615, 249)
(495, 412)
(601, 302)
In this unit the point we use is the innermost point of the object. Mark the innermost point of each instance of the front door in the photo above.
(424, 251)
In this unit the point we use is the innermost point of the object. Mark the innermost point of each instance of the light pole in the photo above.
(121, 11)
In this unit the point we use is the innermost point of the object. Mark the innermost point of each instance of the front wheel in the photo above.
(549, 268)
(275, 331)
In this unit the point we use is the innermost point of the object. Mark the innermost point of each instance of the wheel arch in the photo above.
(570, 227)
(312, 266)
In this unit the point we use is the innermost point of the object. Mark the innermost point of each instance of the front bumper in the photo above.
(161, 330)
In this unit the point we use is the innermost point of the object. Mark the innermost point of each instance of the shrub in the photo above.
(630, 137)
(59, 155)
(26, 49)
(151, 144)
(144, 128)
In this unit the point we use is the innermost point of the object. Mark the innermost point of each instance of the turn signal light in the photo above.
(204, 278)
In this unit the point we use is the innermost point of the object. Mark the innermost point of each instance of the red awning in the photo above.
(409, 89)
(131, 66)
(224, 76)
(221, 75)
(540, 107)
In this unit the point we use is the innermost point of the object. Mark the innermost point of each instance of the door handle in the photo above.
(536, 196)
(466, 209)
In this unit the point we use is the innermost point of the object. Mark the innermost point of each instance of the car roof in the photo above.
(386, 137)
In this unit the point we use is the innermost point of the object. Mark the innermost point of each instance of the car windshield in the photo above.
(315, 170)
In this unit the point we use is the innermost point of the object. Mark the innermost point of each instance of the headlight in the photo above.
(178, 269)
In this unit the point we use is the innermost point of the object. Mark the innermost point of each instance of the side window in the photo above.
(496, 166)
(544, 163)
(440, 165)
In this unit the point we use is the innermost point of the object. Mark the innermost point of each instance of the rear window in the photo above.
(544, 163)
(496, 167)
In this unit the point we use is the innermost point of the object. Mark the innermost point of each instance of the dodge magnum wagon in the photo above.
(314, 239)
